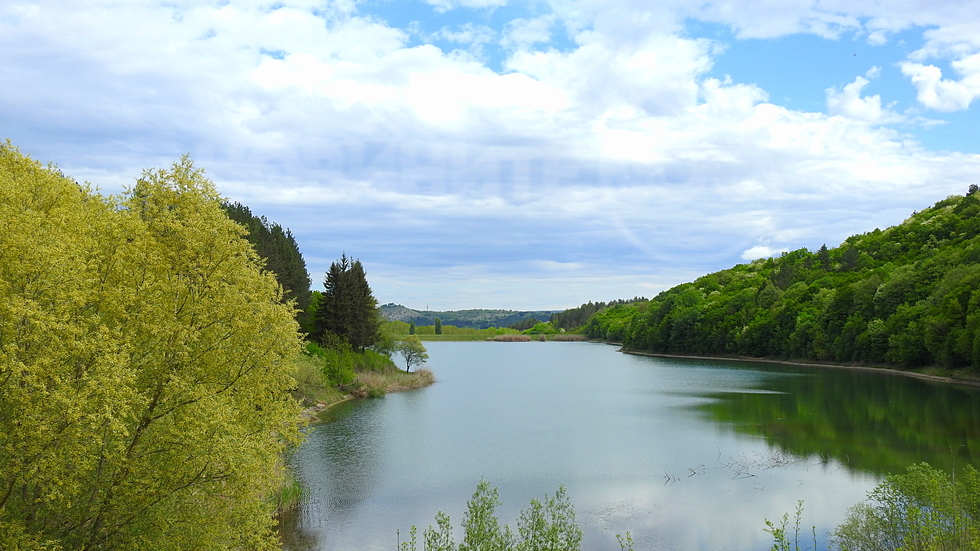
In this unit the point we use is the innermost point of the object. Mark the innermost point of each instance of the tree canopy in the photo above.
(145, 360)
(412, 351)
(278, 249)
(907, 296)
(347, 308)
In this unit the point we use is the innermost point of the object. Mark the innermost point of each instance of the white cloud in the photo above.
(474, 38)
(526, 33)
(618, 155)
(760, 251)
(936, 92)
(446, 5)
(847, 102)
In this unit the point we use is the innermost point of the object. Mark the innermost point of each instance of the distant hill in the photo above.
(907, 296)
(477, 318)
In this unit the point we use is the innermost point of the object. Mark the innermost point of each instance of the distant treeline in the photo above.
(577, 317)
(473, 319)
(908, 296)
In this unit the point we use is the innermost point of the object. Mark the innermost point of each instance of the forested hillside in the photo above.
(907, 296)
(476, 319)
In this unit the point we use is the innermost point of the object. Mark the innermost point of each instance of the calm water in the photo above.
(686, 455)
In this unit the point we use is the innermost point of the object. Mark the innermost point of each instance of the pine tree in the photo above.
(277, 247)
(347, 307)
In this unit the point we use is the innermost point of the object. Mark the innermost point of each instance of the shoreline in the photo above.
(975, 383)
(311, 414)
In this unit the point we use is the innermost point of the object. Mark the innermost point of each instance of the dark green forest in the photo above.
(277, 247)
(907, 296)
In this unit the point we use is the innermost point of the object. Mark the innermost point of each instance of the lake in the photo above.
(686, 455)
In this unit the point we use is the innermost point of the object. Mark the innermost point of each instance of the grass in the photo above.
(289, 493)
(512, 338)
(311, 387)
(455, 337)
(374, 384)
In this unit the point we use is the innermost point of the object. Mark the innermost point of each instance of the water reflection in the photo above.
(686, 455)
(870, 422)
(338, 473)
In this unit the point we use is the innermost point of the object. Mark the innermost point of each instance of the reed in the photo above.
(512, 338)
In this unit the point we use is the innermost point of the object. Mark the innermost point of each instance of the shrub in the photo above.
(547, 525)
(922, 510)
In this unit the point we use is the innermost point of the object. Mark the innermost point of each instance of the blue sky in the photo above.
(523, 155)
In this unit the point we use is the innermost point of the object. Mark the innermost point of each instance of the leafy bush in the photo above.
(547, 525)
(922, 510)
(336, 362)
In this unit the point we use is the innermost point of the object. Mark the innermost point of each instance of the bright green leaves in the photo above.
(903, 296)
(412, 351)
(144, 365)
(921, 509)
(547, 525)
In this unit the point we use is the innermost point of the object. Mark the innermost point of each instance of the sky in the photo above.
(517, 155)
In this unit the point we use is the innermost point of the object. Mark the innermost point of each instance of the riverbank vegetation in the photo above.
(906, 297)
(145, 363)
(152, 367)
(922, 509)
(544, 526)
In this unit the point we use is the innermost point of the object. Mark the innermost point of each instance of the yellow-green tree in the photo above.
(144, 367)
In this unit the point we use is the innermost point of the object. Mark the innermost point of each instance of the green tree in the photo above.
(347, 308)
(277, 247)
(145, 362)
(411, 328)
(413, 352)
(438, 326)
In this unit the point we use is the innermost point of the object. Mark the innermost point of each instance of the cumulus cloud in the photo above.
(446, 5)
(848, 102)
(760, 251)
(525, 33)
(614, 166)
(936, 92)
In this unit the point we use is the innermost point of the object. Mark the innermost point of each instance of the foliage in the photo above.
(437, 326)
(375, 384)
(277, 247)
(347, 308)
(547, 525)
(413, 352)
(542, 328)
(524, 324)
(908, 296)
(449, 332)
(311, 385)
(786, 540)
(145, 363)
(336, 361)
(923, 509)
(576, 318)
